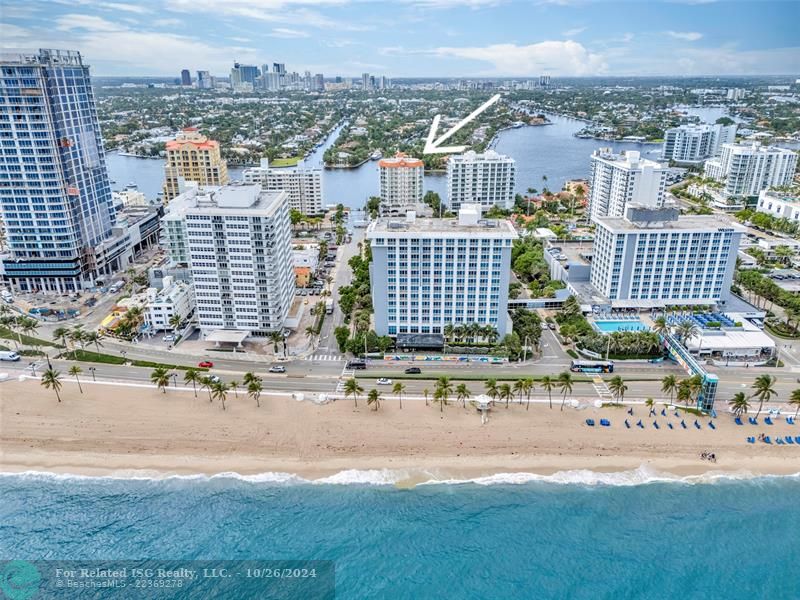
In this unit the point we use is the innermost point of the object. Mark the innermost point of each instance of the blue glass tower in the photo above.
(55, 193)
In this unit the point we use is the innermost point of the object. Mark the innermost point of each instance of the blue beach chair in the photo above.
(752, 421)
(663, 412)
(683, 423)
(590, 422)
(697, 425)
(789, 439)
(797, 439)
(655, 424)
(767, 440)
(738, 421)
(627, 425)
(779, 441)
(670, 426)
(639, 424)
(751, 440)
(605, 422)
(790, 420)
(768, 421)
(711, 424)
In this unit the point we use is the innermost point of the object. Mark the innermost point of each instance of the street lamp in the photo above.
(92, 370)
(32, 367)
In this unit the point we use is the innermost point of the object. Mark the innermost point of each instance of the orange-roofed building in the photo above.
(302, 276)
(191, 156)
(401, 182)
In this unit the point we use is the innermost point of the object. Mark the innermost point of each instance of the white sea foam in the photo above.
(384, 477)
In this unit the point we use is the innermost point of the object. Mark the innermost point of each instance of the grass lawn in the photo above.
(27, 340)
(89, 356)
(285, 162)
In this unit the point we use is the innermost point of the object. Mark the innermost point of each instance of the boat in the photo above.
(377, 155)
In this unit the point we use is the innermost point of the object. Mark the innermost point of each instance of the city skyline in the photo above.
(425, 38)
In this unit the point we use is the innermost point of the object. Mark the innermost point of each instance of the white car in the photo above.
(169, 338)
(384, 381)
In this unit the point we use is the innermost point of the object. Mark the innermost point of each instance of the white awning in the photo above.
(231, 336)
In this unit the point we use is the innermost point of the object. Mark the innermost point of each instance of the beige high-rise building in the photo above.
(191, 156)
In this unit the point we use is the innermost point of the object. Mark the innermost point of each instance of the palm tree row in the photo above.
(77, 336)
(469, 332)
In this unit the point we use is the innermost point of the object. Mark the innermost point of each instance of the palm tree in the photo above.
(351, 388)
(669, 385)
(249, 378)
(75, 370)
(398, 390)
(505, 392)
(618, 388)
(448, 331)
(425, 393)
(794, 400)
(660, 326)
(684, 393)
(160, 378)
(519, 388)
(439, 396)
(51, 379)
(548, 383)
(62, 334)
(695, 383)
(739, 404)
(234, 385)
(686, 330)
(310, 332)
(565, 384)
(446, 387)
(28, 325)
(491, 388)
(175, 321)
(374, 398)
(254, 389)
(92, 337)
(275, 337)
(219, 391)
(529, 384)
(462, 393)
(192, 376)
(206, 383)
(649, 403)
(763, 390)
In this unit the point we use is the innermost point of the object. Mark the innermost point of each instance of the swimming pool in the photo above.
(624, 325)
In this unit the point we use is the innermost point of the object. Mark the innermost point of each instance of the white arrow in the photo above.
(435, 147)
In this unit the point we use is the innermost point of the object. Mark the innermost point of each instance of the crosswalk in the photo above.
(324, 357)
(602, 389)
(346, 374)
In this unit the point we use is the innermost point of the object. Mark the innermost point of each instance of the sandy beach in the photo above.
(126, 431)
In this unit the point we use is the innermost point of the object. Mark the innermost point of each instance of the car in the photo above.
(277, 369)
(551, 326)
(214, 379)
(356, 364)
(413, 371)
(169, 338)
(206, 364)
(384, 381)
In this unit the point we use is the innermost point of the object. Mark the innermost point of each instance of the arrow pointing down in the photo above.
(435, 146)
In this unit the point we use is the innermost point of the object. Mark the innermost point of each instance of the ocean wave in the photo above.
(644, 475)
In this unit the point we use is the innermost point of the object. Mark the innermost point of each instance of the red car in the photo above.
(206, 364)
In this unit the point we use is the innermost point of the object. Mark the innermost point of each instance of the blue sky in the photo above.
(459, 38)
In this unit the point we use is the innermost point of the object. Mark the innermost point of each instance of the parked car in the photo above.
(169, 338)
(206, 364)
(277, 369)
(551, 326)
(413, 371)
(384, 381)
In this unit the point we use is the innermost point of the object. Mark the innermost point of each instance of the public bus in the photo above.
(592, 366)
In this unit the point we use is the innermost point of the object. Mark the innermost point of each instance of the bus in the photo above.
(592, 366)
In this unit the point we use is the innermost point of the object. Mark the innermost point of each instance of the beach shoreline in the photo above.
(130, 433)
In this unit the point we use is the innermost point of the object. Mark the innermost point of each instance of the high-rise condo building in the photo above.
(319, 82)
(204, 80)
(652, 258)
(244, 74)
(618, 180)
(186, 77)
(692, 144)
(428, 273)
(304, 186)
(191, 156)
(485, 179)
(401, 182)
(237, 242)
(746, 169)
(54, 188)
(365, 82)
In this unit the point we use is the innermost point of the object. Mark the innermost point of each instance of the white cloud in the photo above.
(167, 22)
(556, 57)
(453, 3)
(87, 22)
(134, 8)
(573, 32)
(688, 36)
(283, 32)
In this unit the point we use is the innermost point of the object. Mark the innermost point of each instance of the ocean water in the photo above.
(571, 535)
